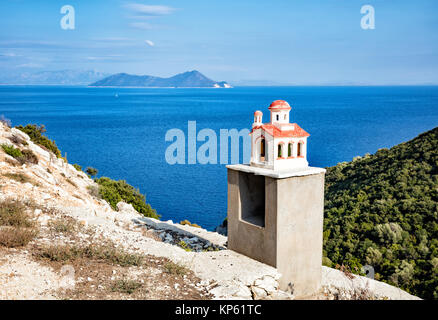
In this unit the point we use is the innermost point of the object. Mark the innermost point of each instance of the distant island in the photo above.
(57, 77)
(189, 79)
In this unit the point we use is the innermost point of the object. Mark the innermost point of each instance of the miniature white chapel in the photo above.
(276, 203)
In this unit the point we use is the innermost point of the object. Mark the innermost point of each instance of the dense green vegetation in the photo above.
(115, 191)
(36, 134)
(382, 210)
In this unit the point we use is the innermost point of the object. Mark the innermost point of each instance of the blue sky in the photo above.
(313, 42)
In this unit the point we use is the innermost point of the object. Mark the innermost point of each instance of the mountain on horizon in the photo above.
(60, 77)
(189, 79)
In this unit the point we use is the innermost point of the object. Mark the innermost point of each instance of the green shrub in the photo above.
(25, 156)
(77, 167)
(92, 171)
(115, 191)
(12, 151)
(326, 262)
(35, 133)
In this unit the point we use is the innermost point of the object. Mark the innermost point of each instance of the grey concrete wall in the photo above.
(291, 240)
(244, 237)
(300, 233)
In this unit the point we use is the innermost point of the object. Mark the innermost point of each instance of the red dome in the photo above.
(279, 105)
(258, 113)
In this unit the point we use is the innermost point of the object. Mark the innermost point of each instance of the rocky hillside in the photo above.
(59, 240)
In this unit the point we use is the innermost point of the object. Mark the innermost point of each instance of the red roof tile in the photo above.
(279, 105)
(297, 132)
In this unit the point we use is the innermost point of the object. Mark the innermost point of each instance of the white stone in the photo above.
(20, 134)
(267, 283)
(335, 281)
(231, 290)
(43, 220)
(45, 196)
(281, 295)
(168, 238)
(259, 293)
(125, 207)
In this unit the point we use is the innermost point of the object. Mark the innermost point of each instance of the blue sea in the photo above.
(121, 132)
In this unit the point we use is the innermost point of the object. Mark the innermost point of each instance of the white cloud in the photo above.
(30, 65)
(112, 39)
(155, 10)
(111, 57)
(141, 25)
(150, 43)
(8, 54)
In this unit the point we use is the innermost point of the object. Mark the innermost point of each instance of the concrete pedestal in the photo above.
(276, 217)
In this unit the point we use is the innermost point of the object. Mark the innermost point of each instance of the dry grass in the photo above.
(11, 237)
(175, 268)
(362, 294)
(94, 191)
(107, 253)
(71, 182)
(104, 281)
(20, 177)
(16, 227)
(103, 272)
(65, 225)
(13, 213)
(346, 270)
(18, 140)
(51, 211)
(12, 162)
(28, 157)
(126, 286)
